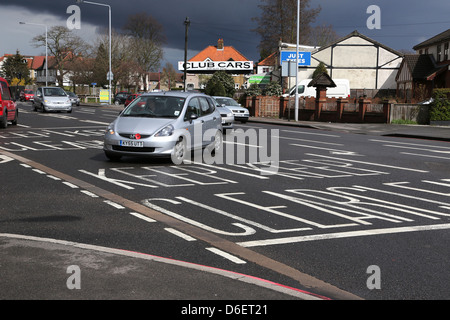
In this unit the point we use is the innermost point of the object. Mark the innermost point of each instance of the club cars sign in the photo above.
(216, 65)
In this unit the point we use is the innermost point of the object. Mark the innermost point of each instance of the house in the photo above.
(417, 77)
(214, 58)
(368, 65)
(438, 47)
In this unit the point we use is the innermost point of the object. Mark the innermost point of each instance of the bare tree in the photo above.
(278, 21)
(64, 47)
(322, 35)
(169, 75)
(147, 39)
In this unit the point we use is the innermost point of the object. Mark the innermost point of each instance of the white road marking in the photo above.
(341, 235)
(180, 234)
(226, 255)
(140, 216)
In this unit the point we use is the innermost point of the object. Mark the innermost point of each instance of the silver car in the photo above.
(240, 113)
(227, 116)
(51, 99)
(168, 124)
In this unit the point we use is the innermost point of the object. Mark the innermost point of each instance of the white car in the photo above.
(240, 113)
(51, 99)
(165, 124)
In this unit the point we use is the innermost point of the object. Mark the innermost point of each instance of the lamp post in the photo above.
(186, 23)
(109, 76)
(296, 68)
(46, 48)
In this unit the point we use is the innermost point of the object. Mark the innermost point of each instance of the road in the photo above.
(337, 214)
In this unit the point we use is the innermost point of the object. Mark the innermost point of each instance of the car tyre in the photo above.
(14, 122)
(4, 121)
(179, 151)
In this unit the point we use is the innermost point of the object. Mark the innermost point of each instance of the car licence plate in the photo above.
(136, 144)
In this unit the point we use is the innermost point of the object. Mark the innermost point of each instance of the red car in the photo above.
(26, 95)
(8, 108)
(130, 98)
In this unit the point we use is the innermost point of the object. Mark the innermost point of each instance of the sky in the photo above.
(402, 24)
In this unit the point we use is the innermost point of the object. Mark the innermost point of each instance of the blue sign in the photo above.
(304, 58)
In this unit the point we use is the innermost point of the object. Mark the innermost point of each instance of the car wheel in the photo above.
(179, 151)
(4, 121)
(14, 122)
(69, 111)
(116, 102)
(43, 108)
(112, 156)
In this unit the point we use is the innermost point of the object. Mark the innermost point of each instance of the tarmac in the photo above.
(45, 269)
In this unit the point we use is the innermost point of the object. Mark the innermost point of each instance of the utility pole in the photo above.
(186, 23)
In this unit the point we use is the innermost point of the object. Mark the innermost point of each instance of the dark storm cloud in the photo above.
(210, 19)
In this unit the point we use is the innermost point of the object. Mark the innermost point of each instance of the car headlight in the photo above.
(110, 130)
(165, 132)
(230, 114)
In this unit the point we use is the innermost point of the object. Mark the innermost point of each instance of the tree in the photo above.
(220, 78)
(16, 67)
(278, 21)
(169, 75)
(273, 89)
(64, 47)
(147, 39)
(321, 68)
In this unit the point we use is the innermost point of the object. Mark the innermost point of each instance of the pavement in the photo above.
(37, 268)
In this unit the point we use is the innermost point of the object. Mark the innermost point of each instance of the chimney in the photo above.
(220, 44)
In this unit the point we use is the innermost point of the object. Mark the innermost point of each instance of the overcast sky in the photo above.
(404, 23)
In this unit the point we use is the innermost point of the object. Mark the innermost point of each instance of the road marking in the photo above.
(113, 204)
(341, 235)
(369, 163)
(96, 122)
(90, 194)
(140, 216)
(70, 185)
(226, 255)
(180, 234)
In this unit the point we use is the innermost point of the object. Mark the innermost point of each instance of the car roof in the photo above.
(180, 94)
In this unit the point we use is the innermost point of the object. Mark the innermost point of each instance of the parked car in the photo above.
(227, 116)
(130, 98)
(51, 99)
(162, 124)
(121, 97)
(8, 107)
(240, 113)
(26, 95)
(74, 99)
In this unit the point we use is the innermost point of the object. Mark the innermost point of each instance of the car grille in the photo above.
(131, 135)
(133, 149)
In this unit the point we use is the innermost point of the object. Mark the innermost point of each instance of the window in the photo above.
(446, 51)
(439, 53)
(205, 106)
(6, 95)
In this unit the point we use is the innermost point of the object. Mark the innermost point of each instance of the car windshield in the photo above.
(227, 102)
(70, 93)
(54, 92)
(154, 107)
(28, 91)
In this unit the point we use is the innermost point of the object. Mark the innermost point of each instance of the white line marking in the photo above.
(39, 171)
(113, 204)
(90, 194)
(340, 235)
(70, 185)
(140, 216)
(226, 255)
(180, 234)
(368, 163)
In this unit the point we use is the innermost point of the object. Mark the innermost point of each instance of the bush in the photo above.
(440, 107)
(273, 89)
(221, 82)
(253, 90)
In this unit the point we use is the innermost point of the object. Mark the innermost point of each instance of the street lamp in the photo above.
(109, 76)
(296, 67)
(46, 48)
